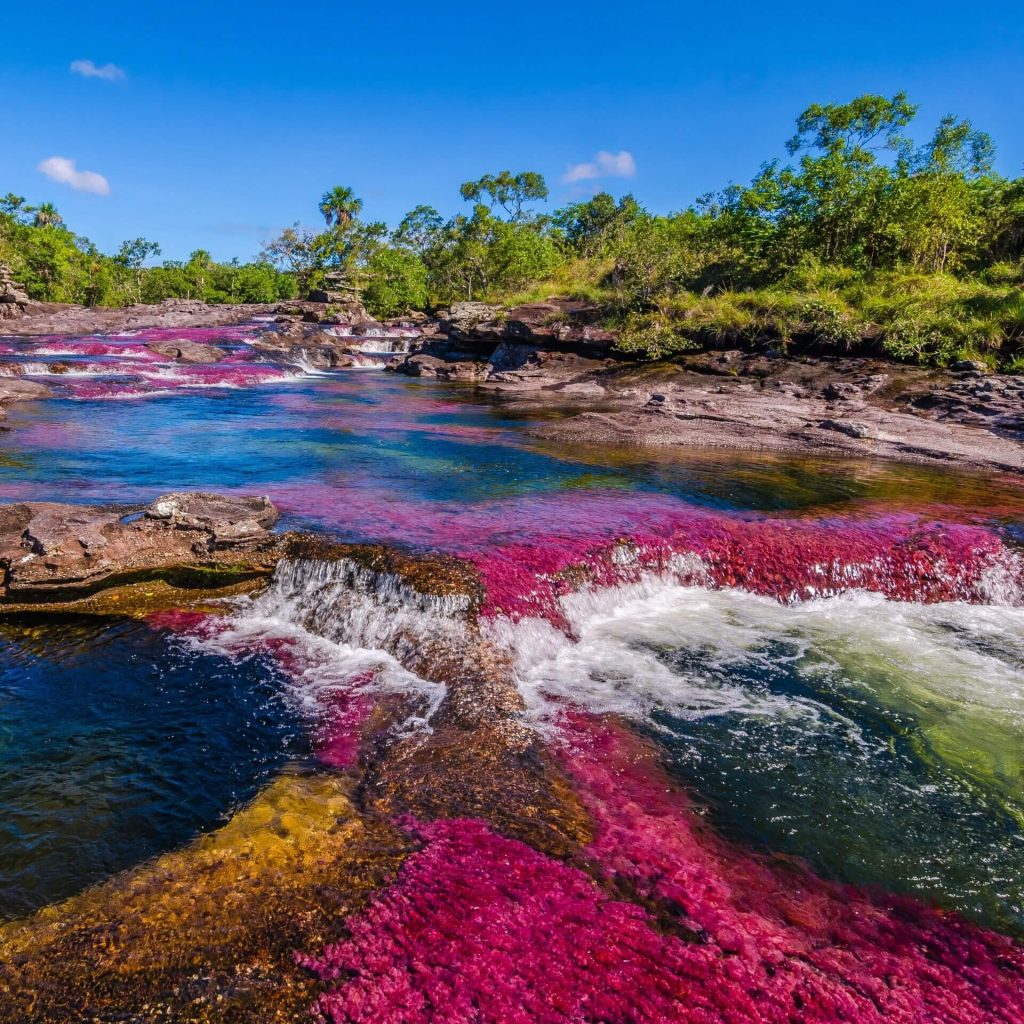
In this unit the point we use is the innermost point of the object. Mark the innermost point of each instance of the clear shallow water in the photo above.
(372, 456)
(115, 745)
(882, 745)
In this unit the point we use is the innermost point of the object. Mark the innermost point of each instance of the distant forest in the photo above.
(864, 240)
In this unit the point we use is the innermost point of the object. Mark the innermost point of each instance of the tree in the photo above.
(198, 271)
(856, 127)
(510, 192)
(340, 206)
(593, 227)
(12, 205)
(132, 257)
(298, 251)
(396, 283)
(419, 229)
(46, 216)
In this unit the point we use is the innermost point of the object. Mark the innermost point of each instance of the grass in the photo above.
(574, 279)
(933, 319)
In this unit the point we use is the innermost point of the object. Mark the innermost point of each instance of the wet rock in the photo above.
(52, 552)
(14, 389)
(184, 351)
(423, 364)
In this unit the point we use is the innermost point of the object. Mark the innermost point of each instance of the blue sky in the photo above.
(232, 118)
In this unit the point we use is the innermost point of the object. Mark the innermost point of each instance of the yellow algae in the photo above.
(137, 600)
(206, 933)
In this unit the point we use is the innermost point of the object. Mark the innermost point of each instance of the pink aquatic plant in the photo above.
(669, 923)
(344, 716)
(799, 947)
(903, 557)
(483, 928)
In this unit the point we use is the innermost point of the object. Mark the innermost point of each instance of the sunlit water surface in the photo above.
(880, 742)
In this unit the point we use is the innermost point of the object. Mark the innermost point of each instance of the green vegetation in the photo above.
(56, 265)
(865, 241)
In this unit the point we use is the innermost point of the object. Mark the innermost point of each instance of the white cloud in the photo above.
(88, 69)
(604, 165)
(60, 168)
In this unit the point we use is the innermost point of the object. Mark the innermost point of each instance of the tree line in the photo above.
(861, 239)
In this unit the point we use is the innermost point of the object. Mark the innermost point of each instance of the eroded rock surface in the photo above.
(13, 389)
(858, 407)
(13, 300)
(51, 552)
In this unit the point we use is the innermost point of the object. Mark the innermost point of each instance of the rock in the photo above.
(184, 351)
(13, 301)
(512, 356)
(847, 427)
(582, 389)
(368, 328)
(424, 365)
(843, 391)
(464, 316)
(14, 389)
(970, 366)
(52, 552)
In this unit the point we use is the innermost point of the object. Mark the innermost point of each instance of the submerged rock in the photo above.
(12, 389)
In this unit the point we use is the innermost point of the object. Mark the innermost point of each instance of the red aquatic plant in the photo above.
(801, 948)
(903, 557)
(668, 923)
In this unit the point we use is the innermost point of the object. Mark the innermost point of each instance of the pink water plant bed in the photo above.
(479, 927)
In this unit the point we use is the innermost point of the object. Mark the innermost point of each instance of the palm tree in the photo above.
(46, 215)
(340, 206)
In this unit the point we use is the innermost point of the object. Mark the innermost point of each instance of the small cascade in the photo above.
(345, 602)
(381, 345)
(340, 630)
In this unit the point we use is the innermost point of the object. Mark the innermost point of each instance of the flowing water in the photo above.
(744, 625)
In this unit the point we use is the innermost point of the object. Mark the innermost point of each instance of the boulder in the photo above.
(851, 428)
(463, 317)
(13, 301)
(182, 350)
(51, 552)
(422, 364)
(13, 389)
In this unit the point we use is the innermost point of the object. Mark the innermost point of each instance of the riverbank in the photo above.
(846, 407)
(557, 354)
(454, 730)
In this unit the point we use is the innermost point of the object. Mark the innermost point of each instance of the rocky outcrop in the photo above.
(541, 345)
(59, 553)
(182, 350)
(976, 398)
(560, 324)
(13, 300)
(440, 367)
(60, 318)
(337, 289)
(851, 407)
(14, 389)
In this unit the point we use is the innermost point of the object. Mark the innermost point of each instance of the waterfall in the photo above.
(340, 629)
(379, 345)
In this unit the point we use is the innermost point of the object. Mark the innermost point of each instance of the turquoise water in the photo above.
(119, 743)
